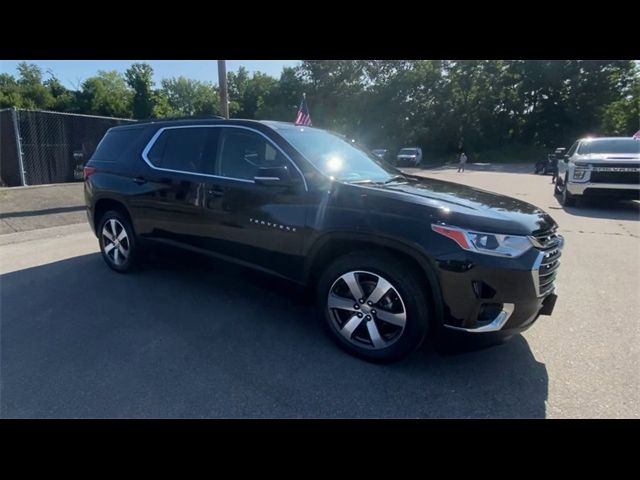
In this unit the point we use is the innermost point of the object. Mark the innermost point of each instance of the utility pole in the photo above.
(222, 83)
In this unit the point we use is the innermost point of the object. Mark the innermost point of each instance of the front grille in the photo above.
(550, 246)
(546, 240)
(548, 270)
(615, 177)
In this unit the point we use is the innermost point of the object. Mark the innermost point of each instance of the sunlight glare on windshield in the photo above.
(334, 163)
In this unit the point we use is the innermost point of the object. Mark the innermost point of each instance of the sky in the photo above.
(73, 72)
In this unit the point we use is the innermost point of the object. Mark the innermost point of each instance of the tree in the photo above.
(9, 91)
(489, 105)
(237, 86)
(106, 94)
(189, 97)
(34, 93)
(282, 100)
(139, 77)
(622, 117)
(257, 93)
(64, 100)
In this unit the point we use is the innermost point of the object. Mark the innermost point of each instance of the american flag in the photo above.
(637, 135)
(303, 117)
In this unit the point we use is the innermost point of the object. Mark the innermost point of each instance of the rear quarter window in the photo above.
(114, 144)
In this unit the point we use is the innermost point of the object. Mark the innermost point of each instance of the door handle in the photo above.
(139, 180)
(215, 193)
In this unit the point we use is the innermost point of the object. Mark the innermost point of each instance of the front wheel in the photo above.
(566, 198)
(374, 306)
(556, 188)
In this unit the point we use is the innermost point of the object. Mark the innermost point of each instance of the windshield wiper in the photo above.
(362, 181)
(379, 182)
(395, 178)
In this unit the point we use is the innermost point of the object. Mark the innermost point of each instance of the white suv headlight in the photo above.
(497, 244)
(579, 173)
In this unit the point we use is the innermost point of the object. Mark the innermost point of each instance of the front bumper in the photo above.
(493, 296)
(589, 188)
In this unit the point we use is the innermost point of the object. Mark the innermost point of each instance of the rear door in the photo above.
(173, 182)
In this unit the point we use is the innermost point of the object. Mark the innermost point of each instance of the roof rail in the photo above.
(189, 117)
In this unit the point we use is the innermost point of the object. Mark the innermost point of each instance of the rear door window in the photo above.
(114, 144)
(191, 149)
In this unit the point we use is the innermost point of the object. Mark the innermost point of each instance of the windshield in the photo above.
(336, 158)
(614, 145)
(408, 151)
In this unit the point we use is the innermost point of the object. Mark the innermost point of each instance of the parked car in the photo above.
(392, 258)
(380, 153)
(410, 157)
(608, 167)
(550, 164)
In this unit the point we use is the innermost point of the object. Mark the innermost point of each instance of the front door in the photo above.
(260, 224)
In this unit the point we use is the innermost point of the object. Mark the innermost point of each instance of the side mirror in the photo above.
(276, 176)
(565, 158)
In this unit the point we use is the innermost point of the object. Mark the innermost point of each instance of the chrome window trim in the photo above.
(152, 141)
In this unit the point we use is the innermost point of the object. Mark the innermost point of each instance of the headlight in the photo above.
(579, 173)
(487, 243)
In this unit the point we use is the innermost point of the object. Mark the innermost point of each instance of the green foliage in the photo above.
(106, 94)
(494, 109)
(139, 77)
(190, 97)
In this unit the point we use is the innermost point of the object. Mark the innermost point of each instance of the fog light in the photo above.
(489, 311)
(482, 290)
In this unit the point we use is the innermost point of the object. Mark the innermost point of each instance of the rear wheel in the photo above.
(373, 306)
(118, 243)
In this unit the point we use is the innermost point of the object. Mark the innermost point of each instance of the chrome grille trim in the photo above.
(545, 268)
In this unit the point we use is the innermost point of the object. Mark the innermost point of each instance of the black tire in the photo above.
(131, 262)
(556, 188)
(406, 282)
(566, 198)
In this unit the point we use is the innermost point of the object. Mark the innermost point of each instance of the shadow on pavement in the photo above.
(193, 337)
(606, 208)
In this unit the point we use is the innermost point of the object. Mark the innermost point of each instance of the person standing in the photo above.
(463, 162)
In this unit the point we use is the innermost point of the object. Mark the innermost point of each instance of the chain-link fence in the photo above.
(40, 147)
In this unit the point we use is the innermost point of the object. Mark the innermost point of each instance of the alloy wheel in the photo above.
(367, 310)
(115, 242)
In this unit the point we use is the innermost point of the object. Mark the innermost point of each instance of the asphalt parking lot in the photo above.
(191, 338)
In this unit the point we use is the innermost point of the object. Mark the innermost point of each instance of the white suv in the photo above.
(600, 166)
(409, 156)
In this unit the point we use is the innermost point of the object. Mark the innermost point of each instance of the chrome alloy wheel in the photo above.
(366, 309)
(115, 242)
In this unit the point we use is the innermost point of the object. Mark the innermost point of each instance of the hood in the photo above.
(469, 207)
(609, 157)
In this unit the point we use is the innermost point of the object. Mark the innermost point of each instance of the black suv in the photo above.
(393, 257)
